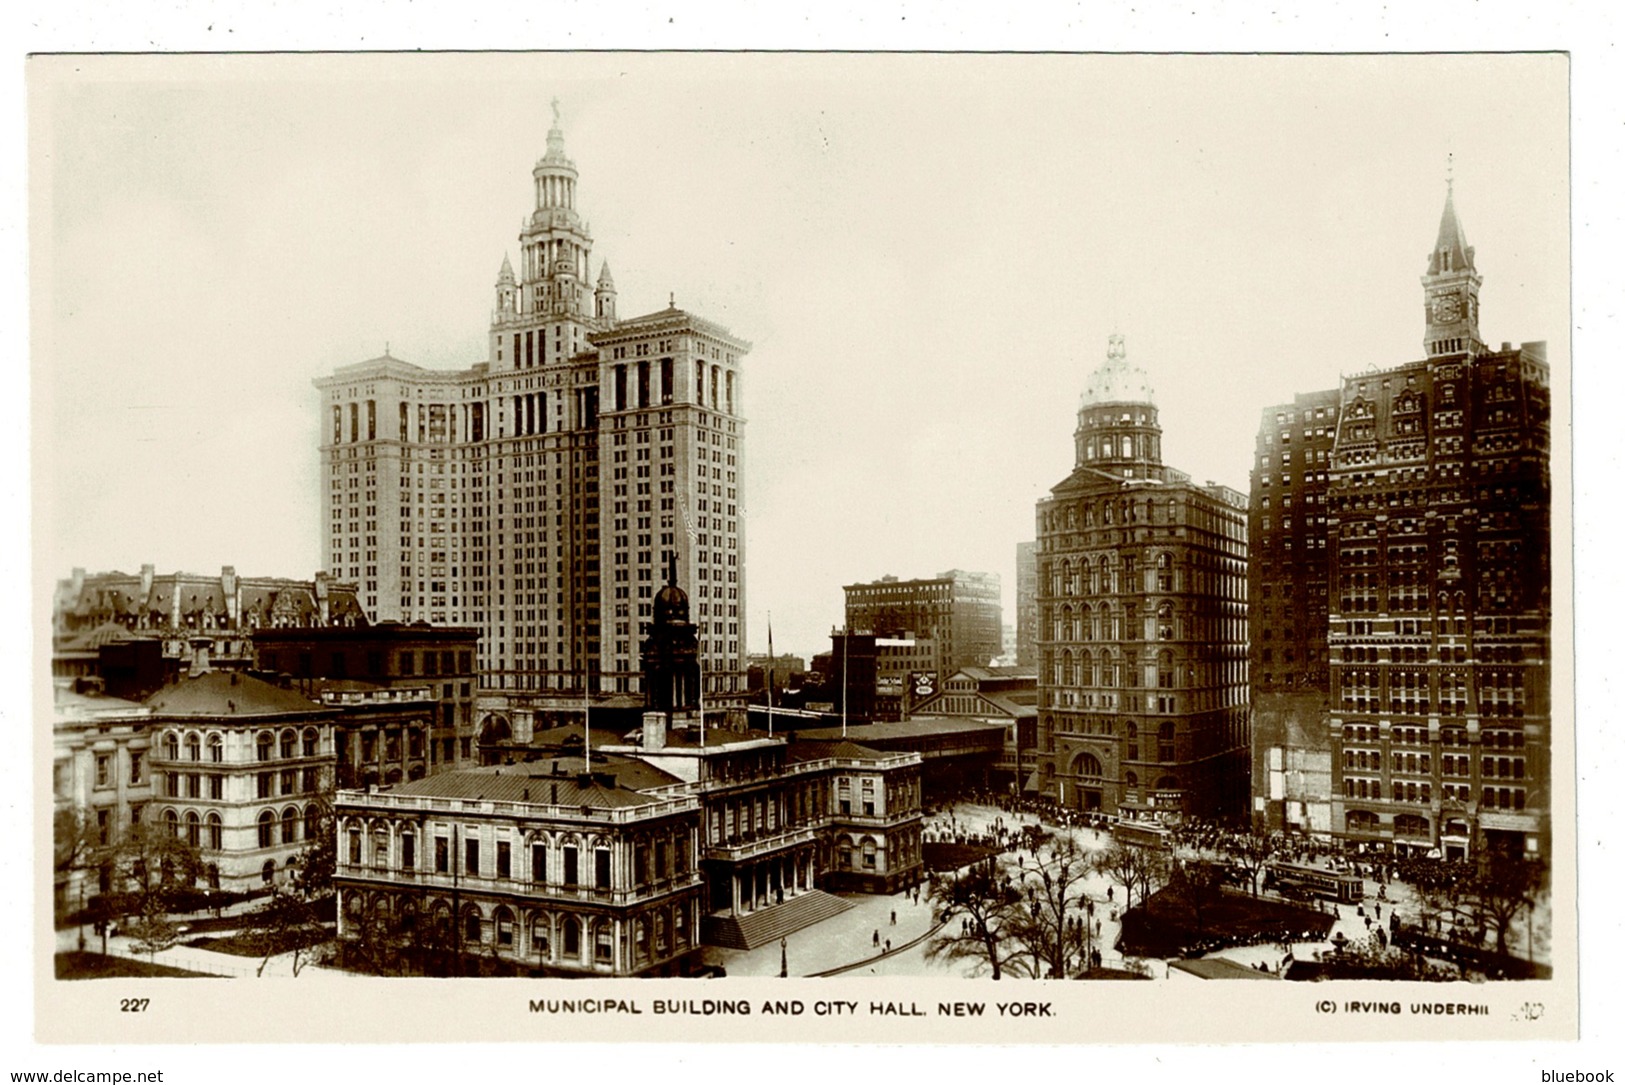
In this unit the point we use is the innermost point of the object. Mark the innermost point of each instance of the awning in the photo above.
(1032, 782)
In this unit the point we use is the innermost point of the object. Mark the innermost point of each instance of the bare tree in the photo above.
(151, 927)
(1053, 883)
(1198, 883)
(1443, 889)
(1252, 852)
(985, 902)
(148, 866)
(286, 922)
(1133, 867)
(77, 840)
(1502, 888)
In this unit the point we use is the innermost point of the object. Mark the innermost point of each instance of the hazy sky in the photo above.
(927, 252)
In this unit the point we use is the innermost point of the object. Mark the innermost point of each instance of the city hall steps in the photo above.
(767, 925)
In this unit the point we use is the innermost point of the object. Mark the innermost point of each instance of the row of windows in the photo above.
(290, 744)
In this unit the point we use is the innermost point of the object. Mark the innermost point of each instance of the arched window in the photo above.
(1131, 779)
(310, 739)
(211, 838)
(1086, 668)
(268, 871)
(1165, 670)
(193, 829)
(473, 926)
(172, 822)
(267, 827)
(172, 746)
(194, 747)
(263, 744)
(290, 825)
(1086, 623)
(541, 937)
(289, 739)
(1068, 674)
(869, 851)
(1087, 764)
(504, 926)
(217, 749)
(571, 935)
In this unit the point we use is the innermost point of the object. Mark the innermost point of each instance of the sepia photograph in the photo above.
(859, 546)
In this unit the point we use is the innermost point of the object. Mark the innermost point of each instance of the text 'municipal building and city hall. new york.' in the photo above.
(518, 708)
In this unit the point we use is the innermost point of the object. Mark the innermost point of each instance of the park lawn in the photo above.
(247, 944)
(1166, 927)
(941, 857)
(93, 966)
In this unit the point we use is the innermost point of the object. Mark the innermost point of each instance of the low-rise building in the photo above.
(1007, 696)
(568, 868)
(101, 783)
(622, 859)
(179, 608)
(240, 768)
(441, 660)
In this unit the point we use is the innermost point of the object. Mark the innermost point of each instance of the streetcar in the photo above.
(1144, 834)
(1294, 880)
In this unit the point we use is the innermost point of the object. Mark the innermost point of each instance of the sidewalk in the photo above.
(845, 940)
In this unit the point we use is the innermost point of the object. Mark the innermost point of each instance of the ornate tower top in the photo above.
(1118, 380)
(1450, 286)
(1117, 418)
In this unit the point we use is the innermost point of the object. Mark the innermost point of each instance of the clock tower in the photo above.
(1450, 288)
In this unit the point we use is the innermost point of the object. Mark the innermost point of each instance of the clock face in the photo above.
(1446, 309)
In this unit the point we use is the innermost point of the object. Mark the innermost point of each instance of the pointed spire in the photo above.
(1451, 251)
(604, 277)
(506, 274)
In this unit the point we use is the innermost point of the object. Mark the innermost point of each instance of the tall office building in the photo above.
(962, 612)
(1142, 629)
(1435, 558)
(1026, 604)
(539, 495)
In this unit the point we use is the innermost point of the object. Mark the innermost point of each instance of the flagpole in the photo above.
(586, 713)
(846, 636)
(770, 674)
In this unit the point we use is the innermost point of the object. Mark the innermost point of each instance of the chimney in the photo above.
(200, 656)
(147, 572)
(654, 731)
(230, 588)
(320, 586)
(555, 792)
(78, 580)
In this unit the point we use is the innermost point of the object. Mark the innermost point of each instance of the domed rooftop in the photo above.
(1117, 380)
(671, 602)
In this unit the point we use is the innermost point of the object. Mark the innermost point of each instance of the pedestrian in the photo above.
(894, 917)
(1108, 892)
(877, 936)
(888, 945)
